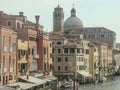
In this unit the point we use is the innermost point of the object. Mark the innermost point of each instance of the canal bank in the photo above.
(107, 85)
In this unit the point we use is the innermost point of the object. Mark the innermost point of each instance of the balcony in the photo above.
(5, 49)
(36, 56)
(45, 56)
(4, 70)
(11, 50)
(11, 69)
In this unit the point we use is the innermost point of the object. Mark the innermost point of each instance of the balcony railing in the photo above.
(4, 70)
(11, 69)
(5, 49)
(36, 56)
(11, 50)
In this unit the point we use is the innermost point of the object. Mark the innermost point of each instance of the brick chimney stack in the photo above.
(37, 19)
(1, 13)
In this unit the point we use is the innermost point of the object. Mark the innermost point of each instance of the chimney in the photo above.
(20, 13)
(1, 13)
(37, 19)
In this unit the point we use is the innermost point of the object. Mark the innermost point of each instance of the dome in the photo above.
(73, 22)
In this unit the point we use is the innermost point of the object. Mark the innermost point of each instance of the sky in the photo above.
(93, 13)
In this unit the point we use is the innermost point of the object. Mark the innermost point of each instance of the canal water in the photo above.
(107, 85)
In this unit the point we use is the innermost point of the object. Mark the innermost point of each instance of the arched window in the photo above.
(18, 25)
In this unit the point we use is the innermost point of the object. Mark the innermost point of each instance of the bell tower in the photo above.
(58, 19)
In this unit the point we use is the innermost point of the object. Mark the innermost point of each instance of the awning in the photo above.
(6, 88)
(22, 85)
(84, 73)
(33, 80)
(48, 78)
(22, 61)
(53, 78)
(63, 73)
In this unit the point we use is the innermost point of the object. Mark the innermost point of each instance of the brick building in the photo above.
(44, 49)
(36, 48)
(8, 43)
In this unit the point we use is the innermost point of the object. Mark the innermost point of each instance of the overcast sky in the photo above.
(93, 13)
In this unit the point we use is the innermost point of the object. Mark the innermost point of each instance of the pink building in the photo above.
(8, 39)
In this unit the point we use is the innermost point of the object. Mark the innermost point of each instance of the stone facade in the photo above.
(93, 59)
(69, 55)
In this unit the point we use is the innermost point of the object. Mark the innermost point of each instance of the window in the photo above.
(81, 67)
(9, 43)
(87, 51)
(72, 50)
(44, 50)
(19, 54)
(45, 66)
(58, 15)
(78, 50)
(89, 35)
(84, 36)
(9, 23)
(94, 65)
(93, 36)
(13, 63)
(50, 45)
(29, 51)
(9, 62)
(10, 77)
(53, 68)
(59, 59)
(14, 47)
(81, 59)
(65, 50)
(3, 42)
(53, 59)
(66, 68)
(47, 51)
(50, 66)
(102, 35)
(82, 50)
(66, 59)
(18, 25)
(59, 43)
(55, 15)
(51, 55)
(53, 50)
(94, 50)
(59, 68)
(3, 61)
(59, 50)
(32, 51)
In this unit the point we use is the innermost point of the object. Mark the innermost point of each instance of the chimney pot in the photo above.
(21, 13)
(37, 19)
(1, 13)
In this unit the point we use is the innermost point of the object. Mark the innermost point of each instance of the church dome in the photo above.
(73, 22)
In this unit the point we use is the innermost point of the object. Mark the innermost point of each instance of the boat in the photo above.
(104, 78)
(66, 85)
